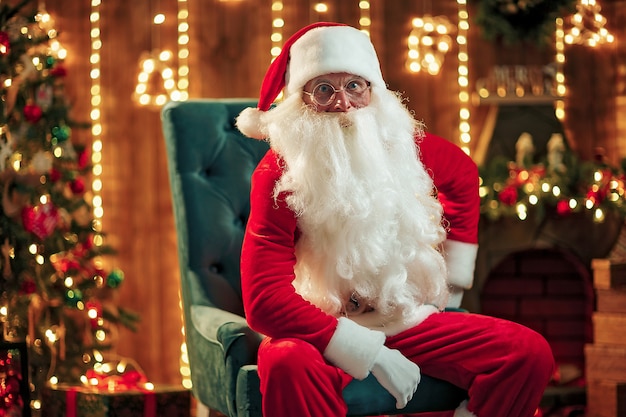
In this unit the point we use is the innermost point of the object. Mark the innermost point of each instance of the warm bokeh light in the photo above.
(365, 20)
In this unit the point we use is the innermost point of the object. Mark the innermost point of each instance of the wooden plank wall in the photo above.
(229, 55)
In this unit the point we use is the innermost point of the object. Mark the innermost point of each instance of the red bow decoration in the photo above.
(127, 380)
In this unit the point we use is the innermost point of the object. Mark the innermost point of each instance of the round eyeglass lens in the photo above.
(324, 93)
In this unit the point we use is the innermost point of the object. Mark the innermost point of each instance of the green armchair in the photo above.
(210, 163)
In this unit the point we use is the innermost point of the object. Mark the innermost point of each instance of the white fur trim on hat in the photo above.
(353, 348)
(250, 124)
(331, 49)
(461, 261)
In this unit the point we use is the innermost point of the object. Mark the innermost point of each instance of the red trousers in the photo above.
(504, 366)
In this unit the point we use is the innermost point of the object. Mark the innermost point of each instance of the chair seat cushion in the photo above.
(368, 397)
(363, 398)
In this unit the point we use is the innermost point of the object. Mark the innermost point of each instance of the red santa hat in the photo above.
(318, 49)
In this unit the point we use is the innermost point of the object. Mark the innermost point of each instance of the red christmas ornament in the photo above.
(32, 113)
(5, 44)
(83, 159)
(58, 71)
(77, 186)
(88, 243)
(54, 175)
(508, 196)
(28, 287)
(563, 208)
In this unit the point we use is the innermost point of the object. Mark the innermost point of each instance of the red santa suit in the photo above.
(309, 356)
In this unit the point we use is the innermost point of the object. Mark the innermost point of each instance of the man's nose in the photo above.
(341, 103)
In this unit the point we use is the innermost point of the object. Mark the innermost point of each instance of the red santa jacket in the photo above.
(268, 254)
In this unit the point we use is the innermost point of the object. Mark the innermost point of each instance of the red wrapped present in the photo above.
(78, 401)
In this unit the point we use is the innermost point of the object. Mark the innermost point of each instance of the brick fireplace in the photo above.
(548, 290)
(538, 273)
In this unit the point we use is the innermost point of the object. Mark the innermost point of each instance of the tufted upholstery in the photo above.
(210, 164)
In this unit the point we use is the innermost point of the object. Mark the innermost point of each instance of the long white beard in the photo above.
(370, 224)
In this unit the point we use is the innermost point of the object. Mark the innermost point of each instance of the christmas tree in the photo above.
(55, 293)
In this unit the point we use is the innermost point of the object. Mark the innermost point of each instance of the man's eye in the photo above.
(324, 88)
(356, 85)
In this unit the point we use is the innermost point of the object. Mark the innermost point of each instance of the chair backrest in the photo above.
(210, 164)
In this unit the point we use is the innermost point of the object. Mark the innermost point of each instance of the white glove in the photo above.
(396, 374)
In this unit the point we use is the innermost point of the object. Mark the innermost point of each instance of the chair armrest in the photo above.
(239, 341)
(224, 343)
(207, 320)
(241, 345)
(249, 401)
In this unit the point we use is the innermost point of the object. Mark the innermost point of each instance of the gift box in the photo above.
(79, 401)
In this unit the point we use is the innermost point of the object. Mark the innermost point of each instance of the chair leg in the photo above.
(202, 410)
(213, 413)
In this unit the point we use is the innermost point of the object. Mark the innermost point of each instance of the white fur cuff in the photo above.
(462, 411)
(456, 297)
(461, 261)
(353, 348)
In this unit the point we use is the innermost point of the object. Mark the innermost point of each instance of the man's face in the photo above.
(337, 92)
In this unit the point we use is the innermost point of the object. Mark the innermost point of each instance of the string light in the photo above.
(183, 88)
(155, 64)
(151, 65)
(365, 20)
(183, 52)
(428, 43)
(184, 368)
(559, 104)
(465, 135)
(277, 31)
(96, 122)
(588, 25)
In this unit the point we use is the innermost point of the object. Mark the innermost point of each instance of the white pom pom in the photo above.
(249, 123)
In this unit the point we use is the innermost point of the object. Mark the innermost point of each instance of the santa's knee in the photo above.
(532, 351)
(288, 359)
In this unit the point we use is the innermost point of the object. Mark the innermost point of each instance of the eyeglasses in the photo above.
(324, 93)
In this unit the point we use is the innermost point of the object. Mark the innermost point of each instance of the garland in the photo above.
(516, 21)
(510, 189)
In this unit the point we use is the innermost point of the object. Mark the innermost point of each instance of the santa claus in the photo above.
(362, 229)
